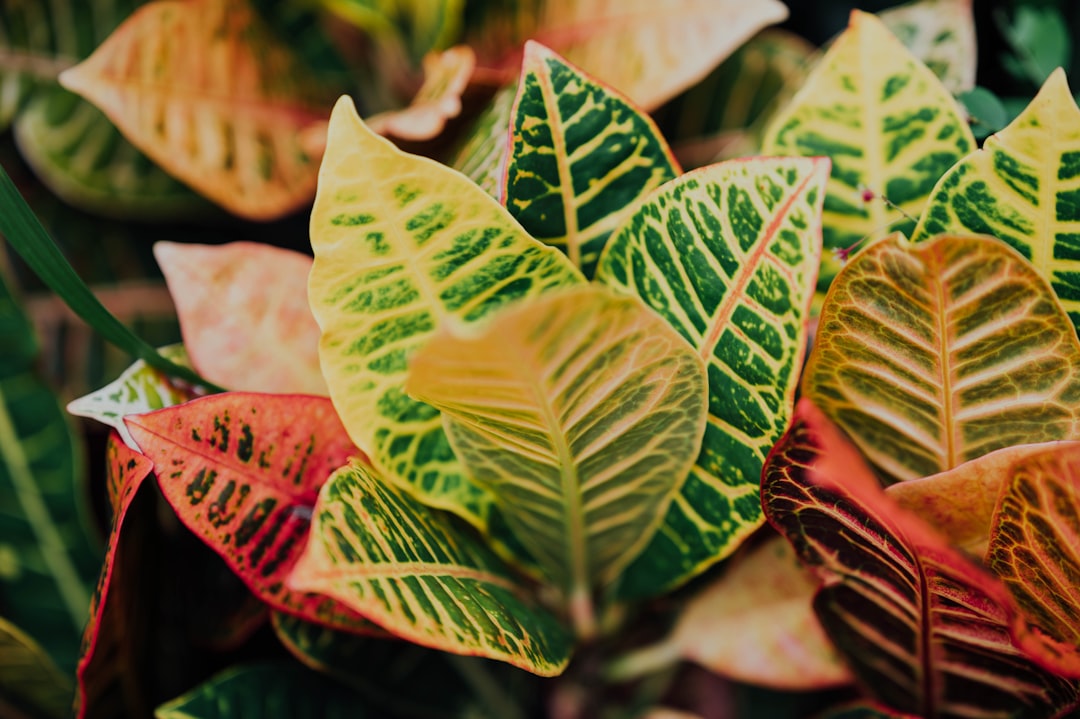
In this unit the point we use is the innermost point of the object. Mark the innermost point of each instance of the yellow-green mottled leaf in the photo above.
(581, 156)
(582, 411)
(1023, 187)
(941, 33)
(889, 126)
(932, 354)
(407, 568)
(404, 246)
(727, 255)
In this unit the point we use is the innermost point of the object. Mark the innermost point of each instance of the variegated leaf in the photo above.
(941, 33)
(582, 411)
(1023, 187)
(244, 315)
(404, 246)
(889, 126)
(727, 255)
(581, 157)
(932, 354)
(138, 390)
(446, 75)
(242, 472)
(927, 630)
(207, 92)
(482, 156)
(407, 568)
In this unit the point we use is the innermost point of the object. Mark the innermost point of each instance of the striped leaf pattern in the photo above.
(583, 413)
(889, 126)
(407, 568)
(482, 155)
(209, 94)
(932, 354)
(1023, 187)
(941, 33)
(727, 255)
(403, 246)
(926, 629)
(581, 157)
(30, 682)
(242, 471)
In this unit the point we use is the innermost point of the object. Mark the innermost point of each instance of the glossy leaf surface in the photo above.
(242, 472)
(941, 33)
(205, 90)
(403, 246)
(407, 568)
(889, 126)
(446, 75)
(924, 628)
(244, 315)
(581, 157)
(727, 255)
(932, 354)
(1023, 187)
(583, 413)
(30, 681)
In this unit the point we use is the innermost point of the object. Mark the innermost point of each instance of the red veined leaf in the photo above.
(923, 627)
(242, 471)
(108, 670)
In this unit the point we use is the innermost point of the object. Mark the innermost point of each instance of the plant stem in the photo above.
(37, 65)
(647, 660)
(583, 613)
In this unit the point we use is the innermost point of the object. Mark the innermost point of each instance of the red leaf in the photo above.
(242, 471)
(925, 628)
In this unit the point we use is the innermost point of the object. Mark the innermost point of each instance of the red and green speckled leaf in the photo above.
(403, 246)
(244, 315)
(932, 354)
(728, 255)
(924, 628)
(114, 654)
(582, 411)
(581, 157)
(889, 126)
(411, 570)
(1023, 187)
(242, 471)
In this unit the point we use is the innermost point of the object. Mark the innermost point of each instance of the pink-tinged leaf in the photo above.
(922, 626)
(244, 314)
(446, 75)
(108, 670)
(242, 471)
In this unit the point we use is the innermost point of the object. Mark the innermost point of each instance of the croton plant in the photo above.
(547, 419)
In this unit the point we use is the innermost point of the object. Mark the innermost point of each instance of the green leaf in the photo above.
(30, 680)
(941, 33)
(582, 411)
(404, 246)
(482, 155)
(1023, 188)
(48, 558)
(409, 569)
(581, 156)
(1040, 41)
(420, 25)
(889, 126)
(265, 691)
(727, 255)
(241, 471)
(985, 110)
(932, 354)
(925, 629)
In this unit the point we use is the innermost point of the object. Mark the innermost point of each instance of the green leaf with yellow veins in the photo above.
(932, 354)
(409, 569)
(482, 155)
(581, 157)
(727, 255)
(1023, 187)
(941, 33)
(889, 126)
(583, 414)
(404, 246)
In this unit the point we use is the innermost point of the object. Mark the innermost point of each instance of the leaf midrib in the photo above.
(562, 162)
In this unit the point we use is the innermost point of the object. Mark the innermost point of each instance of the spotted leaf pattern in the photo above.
(584, 411)
(932, 354)
(406, 567)
(404, 246)
(581, 156)
(242, 471)
(889, 126)
(727, 255)
(1023, 187)
(927, 630)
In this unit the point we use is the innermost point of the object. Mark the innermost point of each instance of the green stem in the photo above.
(648, 660)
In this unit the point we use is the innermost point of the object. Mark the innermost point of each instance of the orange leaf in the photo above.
(204, 89)
(446, 74)
(244, 315)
